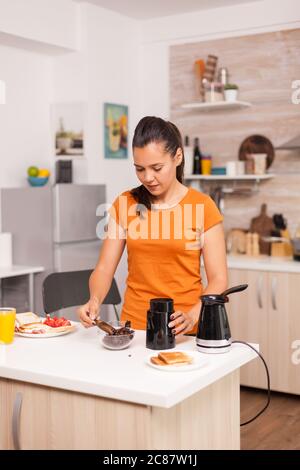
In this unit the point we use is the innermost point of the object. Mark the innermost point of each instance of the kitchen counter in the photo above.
(157, 407)
(78, 362)
(263, 263)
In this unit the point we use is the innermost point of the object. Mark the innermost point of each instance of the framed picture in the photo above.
(115, 131)
(68, 120)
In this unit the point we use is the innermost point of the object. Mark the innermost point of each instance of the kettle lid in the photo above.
(214, 299)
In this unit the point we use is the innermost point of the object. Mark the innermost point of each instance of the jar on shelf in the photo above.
(206, 164)
(249, 164)
(223, 75)
(213, 92)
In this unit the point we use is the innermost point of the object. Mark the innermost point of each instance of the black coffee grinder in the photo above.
(213, 335)
(158, 333)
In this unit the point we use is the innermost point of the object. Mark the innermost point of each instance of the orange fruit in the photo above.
(43, 173)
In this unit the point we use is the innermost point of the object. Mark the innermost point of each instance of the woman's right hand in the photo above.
(89, 312)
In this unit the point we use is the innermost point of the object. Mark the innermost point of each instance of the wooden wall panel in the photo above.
(264, 66)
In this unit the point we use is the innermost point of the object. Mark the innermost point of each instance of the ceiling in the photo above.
(145, 9)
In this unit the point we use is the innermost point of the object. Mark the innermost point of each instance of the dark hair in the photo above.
(154, 129)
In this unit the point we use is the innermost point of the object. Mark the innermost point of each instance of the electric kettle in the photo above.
(213, 335)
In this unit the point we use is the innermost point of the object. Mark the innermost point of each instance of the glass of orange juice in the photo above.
(7, 325)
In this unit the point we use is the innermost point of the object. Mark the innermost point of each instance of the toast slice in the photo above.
(175, 357)
(26, 318)
(158, 362)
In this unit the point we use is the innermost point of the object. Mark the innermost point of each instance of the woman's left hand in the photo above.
(183, 322)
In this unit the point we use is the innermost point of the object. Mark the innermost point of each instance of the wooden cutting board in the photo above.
(263, 225)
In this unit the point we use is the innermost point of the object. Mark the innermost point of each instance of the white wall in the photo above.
(105, 70)
(49, 27)
(24, 119)
(237, 20)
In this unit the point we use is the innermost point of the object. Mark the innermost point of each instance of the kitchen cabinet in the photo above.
(35, 417)
(284, 330)
(49, 418)
(267, 313)
(24, 415)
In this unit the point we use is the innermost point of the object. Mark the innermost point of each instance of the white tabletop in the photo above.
(15, 270)
(79, 362)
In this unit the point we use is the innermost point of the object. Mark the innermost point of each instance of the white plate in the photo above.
(198, 361)
(51, 334)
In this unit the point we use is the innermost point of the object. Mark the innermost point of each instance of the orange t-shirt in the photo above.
(164, 248)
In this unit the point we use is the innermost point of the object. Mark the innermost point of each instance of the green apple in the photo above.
(33, 171)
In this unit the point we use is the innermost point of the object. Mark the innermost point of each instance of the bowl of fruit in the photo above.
(37, 176)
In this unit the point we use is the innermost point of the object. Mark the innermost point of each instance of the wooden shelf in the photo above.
(230, 178)
(218, 105)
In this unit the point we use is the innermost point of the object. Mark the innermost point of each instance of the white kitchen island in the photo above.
(69, 392)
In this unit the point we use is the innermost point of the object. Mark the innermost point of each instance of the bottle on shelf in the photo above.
(188, 156)
(223, 75)
(197, 158)
(255, 244)
(249, 244)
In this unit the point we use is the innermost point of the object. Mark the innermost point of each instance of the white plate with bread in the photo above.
(176, 361)
(30, 325)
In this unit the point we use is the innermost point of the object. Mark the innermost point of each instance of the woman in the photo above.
(166, 226)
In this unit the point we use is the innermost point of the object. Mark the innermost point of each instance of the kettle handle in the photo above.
(232, 290)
